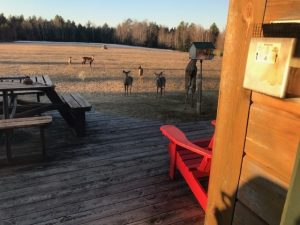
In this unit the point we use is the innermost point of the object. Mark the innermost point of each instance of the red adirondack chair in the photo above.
(192, 159)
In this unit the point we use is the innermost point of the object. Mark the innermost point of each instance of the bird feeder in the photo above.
(201, 51)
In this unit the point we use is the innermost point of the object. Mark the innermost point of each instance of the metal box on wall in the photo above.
(268, 65)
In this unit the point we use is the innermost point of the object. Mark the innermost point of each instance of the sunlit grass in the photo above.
(105, 78)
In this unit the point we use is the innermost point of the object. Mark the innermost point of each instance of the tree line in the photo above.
(129, 32)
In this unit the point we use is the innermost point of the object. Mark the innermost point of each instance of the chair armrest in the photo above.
(202, 142)
(213, 122)
(178, 137)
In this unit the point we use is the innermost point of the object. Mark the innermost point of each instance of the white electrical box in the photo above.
(268, 65)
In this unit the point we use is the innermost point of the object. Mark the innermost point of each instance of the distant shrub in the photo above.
(82, 75)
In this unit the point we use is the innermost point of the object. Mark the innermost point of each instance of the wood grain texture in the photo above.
(25, 122)
(261, 191)
(117, 174)
(291, 214)
(277, 9)
(232, 113)
(233, 110)
(244, 216)
(289, 9)
(81, 101)
(272, 139)
(293, 88)
(72, 103)
(76, 101)
(47, 80)
(290, 105)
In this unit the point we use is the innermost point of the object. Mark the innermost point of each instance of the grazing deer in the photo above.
(127, 82)
(160, 83)
(89, 59)
(190, 82)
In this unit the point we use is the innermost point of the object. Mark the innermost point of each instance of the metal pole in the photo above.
(199, 94)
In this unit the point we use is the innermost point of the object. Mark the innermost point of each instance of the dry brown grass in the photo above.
(103, 83)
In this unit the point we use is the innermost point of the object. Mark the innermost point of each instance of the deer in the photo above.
(70, 61)
(140, 73)
(160, 83)
(190, 82)
(127, 82)
(89, 59)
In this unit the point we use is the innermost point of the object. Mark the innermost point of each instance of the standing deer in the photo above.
(89, 59)
(141, 72)
(190, 82)
(70, 60)
(127, 82)
(160, 83)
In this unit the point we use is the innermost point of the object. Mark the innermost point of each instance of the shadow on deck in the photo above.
(117, 174)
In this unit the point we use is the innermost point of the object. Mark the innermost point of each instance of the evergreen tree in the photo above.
(214, 32)
(128, 32)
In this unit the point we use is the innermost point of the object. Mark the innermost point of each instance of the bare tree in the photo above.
(220, 41)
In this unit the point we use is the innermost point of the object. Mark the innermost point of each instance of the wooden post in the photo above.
(199, 88)
(233, 110)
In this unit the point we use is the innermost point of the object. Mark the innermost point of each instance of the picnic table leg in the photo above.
(38, 98)
(13, 104)
(42, 133)
(79, 125)
(7, 132)
(8, 144)
(5, 105)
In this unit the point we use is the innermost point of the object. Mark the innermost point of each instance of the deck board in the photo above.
(117, 174)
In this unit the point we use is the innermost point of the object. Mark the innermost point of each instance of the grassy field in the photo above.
(102, 84)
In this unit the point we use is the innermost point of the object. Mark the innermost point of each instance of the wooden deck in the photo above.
(117, 174)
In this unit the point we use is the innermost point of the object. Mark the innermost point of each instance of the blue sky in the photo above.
(164, 12)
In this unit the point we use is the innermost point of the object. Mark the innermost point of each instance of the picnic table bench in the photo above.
(77, 106)
(9, 125)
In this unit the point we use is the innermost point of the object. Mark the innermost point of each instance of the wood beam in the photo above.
(233, 110)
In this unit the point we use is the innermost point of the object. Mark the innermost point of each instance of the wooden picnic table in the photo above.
(11, 87)
(73, 114)
(71, 106)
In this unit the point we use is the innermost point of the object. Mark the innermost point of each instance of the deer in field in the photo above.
(160, 83)
(70, 60)
(190, 82)
(140, 73)
(87, 59)
(127, 82)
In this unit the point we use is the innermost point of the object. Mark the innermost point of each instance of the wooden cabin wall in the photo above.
(272, 138)
(252, 189)
(233, 109)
